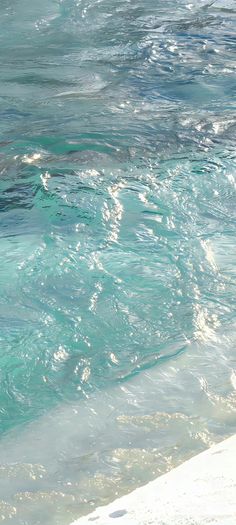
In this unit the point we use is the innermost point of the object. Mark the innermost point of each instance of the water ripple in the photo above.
(117, 260)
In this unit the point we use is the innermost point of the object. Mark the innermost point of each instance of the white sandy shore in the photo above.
(201, 491)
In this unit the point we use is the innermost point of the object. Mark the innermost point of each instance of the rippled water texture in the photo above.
(117, 250)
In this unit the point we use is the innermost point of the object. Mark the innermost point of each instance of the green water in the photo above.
(117, 250)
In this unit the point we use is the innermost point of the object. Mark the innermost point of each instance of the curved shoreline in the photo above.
(201, 491)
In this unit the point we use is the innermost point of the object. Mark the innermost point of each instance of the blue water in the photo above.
(117, 251)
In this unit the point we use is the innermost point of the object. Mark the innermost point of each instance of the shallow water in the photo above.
(117, 251)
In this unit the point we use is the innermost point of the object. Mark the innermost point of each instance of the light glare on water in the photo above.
(117, 254)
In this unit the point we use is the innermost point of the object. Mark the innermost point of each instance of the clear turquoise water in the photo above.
(117, 252)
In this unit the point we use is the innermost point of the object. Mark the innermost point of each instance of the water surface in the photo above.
(117, 250)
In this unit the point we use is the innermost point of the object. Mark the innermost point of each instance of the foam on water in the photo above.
(117, 252)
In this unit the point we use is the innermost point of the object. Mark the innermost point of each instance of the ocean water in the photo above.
(117, 246)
